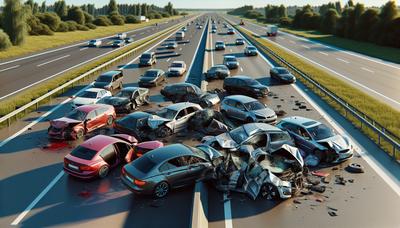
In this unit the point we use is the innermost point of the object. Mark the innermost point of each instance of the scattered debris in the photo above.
(296, 201)
(320, 174)
(326, 180)
(351, 180)
(332, 213)
(340, 180)
(318, 188)
(85, 194)
(332, 209)
(355, 168)
(313, 180)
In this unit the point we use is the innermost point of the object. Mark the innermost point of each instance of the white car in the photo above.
(94, 43)
(90, 96)
(121, 36)
(177, 68)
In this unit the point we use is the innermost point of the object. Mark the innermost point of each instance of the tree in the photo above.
(144, 10)
(112, 7)
(4, 41)
(388, 12)
(60, 7)
(43, 7)
(50, 19)
(350, 3)
(329, 21)
(282, 11)
(169, 8)
(76, 14)
(14, 21)
(364, 26)
(338, 7)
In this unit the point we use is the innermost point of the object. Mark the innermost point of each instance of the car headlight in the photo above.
(286, 191)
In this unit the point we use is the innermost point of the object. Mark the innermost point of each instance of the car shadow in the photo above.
(168, 56)
(237, 55)
(129, 66)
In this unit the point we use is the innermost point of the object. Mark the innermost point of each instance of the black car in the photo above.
(217, 72)
(246, 86)
(134, 124)
(182, 92)
(127, 99)
(282, 74)
(147, 59)
(152, 77)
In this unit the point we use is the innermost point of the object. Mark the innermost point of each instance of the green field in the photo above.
(39, 43)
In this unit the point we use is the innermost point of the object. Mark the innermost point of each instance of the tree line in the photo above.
(353, 21)
(19, 19)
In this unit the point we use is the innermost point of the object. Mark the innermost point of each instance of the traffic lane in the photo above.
(59, 149)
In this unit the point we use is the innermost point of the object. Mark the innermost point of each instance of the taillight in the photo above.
(139, 182)
(86, 168)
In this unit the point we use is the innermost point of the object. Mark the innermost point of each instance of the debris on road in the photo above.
(355, 168)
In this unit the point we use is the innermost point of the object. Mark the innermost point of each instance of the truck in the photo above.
(272, 30)
(180, 35)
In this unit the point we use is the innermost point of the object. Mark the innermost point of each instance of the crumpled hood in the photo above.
(63, 122)
(84, 101)
(211, 97)
(154, 121)
(265, 112)
(115, 101)
(337, 142)
(225, 141)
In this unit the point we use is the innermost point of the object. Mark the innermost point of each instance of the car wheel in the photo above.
(163, 132)
(161, 189)
(110, 121)
(80, 134)
(133, 106)
(269, 191)
(103, 171)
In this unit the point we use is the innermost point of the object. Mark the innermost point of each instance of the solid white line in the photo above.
(53, 60)
(227, 212)
(241, 69)
(168, 59)
(9, 68)
(304, 46)
(37, 199)
(323, 53)
(82, 49)
(366, 69)
(342, 60)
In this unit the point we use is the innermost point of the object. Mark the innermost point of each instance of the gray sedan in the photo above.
(218, 72)
(247, 109)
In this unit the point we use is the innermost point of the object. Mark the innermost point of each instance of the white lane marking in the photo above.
(37, 199)
(378, 168)
(227, 212)
(291, 41)
(53, 60)
(281, 38)
(342, 60)
(180, 49)
(195, 54)
(366, 69)
(82, 49)
(10, 68)
(212, 50)
(231, 50)
(241, 69)
(168, 59)
(306, 47)
(323, 53)
(57, 178)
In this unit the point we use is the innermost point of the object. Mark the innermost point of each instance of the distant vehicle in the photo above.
(177, 68)
(94, 43)
(81, 121)
(172, 119)
(219, 45)
(128, 40)
(89, 96)
(241, 22)
(317, 139)
(217, 72)
(184, 29)
(282, 74)
(110, 80)
(225, 25)
(121, 36)
(171, 45)
(272, 30)
(169, 167)
(231, 62)
(245, 85)
(128, 99)
(247, 109)
(231, 31)
(118, 43)
(214, 26)
(147, 59)
(152, 77)
(250, 51)
(239, 41)
(180, 35)
(213, 30)
(199, 26)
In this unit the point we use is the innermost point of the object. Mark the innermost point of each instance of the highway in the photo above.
(378, 78)
(39, 194)
(21, 73)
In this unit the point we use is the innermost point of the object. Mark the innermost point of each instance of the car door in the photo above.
(241, 112)
(101, 117)
(109, 155)
(90, 121)
(295, 132)
(174, 171)
(181, 120)
(196, 169)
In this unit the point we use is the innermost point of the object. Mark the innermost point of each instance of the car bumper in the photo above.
(83, 175)
(133, 188)
(267, 121)
(344, 156)
(174, 73)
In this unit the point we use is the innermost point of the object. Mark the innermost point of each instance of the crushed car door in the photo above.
(196, 169)
(174, 171)
(181, 120)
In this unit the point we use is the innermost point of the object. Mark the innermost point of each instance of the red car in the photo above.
(82, 120)
(96, 156)
(142, 148)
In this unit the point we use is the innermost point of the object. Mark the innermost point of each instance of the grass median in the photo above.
(40, 43)
(381, 113)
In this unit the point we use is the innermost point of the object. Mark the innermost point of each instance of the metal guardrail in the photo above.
(96, 70)
(381, 132)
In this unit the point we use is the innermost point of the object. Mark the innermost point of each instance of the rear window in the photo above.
(144, 164)
(83, 153)
(146, 56)
(104, 78)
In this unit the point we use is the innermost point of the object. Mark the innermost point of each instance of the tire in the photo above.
(80, 134)
(355, 168)
(103, 171)
(270, 192)
(163, 132)
(161, 189)
(110, 120)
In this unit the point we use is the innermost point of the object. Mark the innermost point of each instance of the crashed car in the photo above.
(173, 118)
(134, 124)
(82, 120)
(231, 62)
(318, 141)
(209, 122)
(181, 92)
(217, 72)
(247, 109)
(171, 45)
(152, 77)
(128, 99)
(282, 74)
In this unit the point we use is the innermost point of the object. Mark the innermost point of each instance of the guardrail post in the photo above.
(9, 122)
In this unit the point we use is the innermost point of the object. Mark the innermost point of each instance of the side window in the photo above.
(181, 114)
(191, 110)
(166, 166)
(91, 115)
(114, 78)
(195, 160)
(107, 152)
(179, 161)
(303, 133)
(258, 140)
(276, 137)
(239, 106)
(290, 127)
(190, 89)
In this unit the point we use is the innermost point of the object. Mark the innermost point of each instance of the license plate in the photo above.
(73, 166)
(129, 179)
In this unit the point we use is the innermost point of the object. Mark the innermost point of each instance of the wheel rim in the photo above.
(161, 189)
(103, 171)
(271, 193)
(110, 120)
(79, 134)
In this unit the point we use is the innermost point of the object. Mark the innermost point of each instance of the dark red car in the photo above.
(82, 120)
(98, 155)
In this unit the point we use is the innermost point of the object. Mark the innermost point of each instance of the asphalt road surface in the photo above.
(35, 192)
(378, 78)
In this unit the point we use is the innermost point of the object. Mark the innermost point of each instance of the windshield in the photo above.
(252, 82)
(104, 79)
(320, 132)
(93, 41)
(124, 93)
(283, 71)
(230, 59)
(88, 94)
(238, 135)
(254, 105)
(239, 39)
(146, 56)
(167, 113)
(176, 65)
(76, 115)
(219, 43)
(83, 153)
(150, 74)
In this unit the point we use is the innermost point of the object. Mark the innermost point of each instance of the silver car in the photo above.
(219, 45)
(247, 109)
(231, 62)
(173, 118)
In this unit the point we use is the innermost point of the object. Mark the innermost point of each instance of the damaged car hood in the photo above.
(337, 142)
(211, 97)
(154, 121)
(265, 112)
(63, 122)
(225, 141)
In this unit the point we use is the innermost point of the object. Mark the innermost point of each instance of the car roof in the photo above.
(150, 144)
(220, 65)
(96, 90)
(251, 128)
(303, 121)
(148, 53)
(229, 56)
(99, 142)
(165, 153)
(111, 73)
(137, 114)
(91, 107)
(181, 84)
(243, 77)
(181, 105)
(280, 68)
(241, 98)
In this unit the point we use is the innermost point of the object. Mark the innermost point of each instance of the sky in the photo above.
(219, 3)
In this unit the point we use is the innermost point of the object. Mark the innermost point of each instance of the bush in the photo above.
(102, 21)
(82, 27)
(164, 14)
(63, 27)
(90, 25)
(285, 21)
(72, 25)
(36, 28)
(88, 17)
(131, 19)
(76, 14)
(50, 19)
(252, 14)
(184, 13)
(157, 15)
(117, 19)
(4, 41)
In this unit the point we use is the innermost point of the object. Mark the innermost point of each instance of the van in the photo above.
(110, 80)
(180, 35)
(272, 30)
